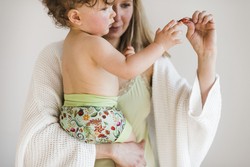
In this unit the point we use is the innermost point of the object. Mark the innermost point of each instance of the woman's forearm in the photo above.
(103, 151)
(206, 74)
(123, 154)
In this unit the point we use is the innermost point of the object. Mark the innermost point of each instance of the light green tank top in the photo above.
(134, 102)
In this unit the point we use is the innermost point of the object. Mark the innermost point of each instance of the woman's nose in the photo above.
(113, 13)
(118, 13)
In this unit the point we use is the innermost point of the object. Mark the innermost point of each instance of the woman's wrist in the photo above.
(104, 151)
(206, 65)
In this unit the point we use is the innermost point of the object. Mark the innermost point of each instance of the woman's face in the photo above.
(124, 11)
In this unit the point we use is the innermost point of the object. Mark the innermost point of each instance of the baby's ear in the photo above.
(74, 17)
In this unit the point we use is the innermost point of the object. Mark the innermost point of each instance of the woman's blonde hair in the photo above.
(138, 33)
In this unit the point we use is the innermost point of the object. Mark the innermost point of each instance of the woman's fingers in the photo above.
(195, 16)
(208, 18)
(201, 16)
(185, 20)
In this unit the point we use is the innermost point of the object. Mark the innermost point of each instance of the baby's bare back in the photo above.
(83, 75)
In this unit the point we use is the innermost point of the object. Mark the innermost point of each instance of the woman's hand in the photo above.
(202, 33)
(123, 154)
(129, 154)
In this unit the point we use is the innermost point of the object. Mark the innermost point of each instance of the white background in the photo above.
(26, 29)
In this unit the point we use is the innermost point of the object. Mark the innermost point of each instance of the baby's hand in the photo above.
(168, 36)
(129, 51)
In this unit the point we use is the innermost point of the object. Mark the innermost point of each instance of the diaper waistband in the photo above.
(89, 100)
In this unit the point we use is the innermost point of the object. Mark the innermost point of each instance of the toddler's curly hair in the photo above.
(58, 9)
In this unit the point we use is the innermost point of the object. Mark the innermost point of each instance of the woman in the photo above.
(175, 125)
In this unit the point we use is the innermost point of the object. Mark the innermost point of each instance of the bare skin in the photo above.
(132, 153)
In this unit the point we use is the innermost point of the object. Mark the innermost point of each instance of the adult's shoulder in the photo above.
(57, 45)
(49, 58)
(52, 50)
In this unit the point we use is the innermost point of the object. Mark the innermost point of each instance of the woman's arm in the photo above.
(124, 154)
(202, 36)
(181, 122)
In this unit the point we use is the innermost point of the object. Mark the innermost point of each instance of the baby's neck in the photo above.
(74, 30)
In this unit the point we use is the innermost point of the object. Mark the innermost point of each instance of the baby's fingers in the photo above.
(158, 31)
(129, 51)
(176, 34)
(169, 25)
(175, 27)
(176, 37)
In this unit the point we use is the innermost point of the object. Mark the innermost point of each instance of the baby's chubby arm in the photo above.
(106, 56)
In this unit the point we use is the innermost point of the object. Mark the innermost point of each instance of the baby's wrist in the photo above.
(159, 46)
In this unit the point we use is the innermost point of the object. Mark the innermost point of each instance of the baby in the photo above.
(91, 67)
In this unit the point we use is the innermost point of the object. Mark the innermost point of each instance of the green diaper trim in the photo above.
(89, 100)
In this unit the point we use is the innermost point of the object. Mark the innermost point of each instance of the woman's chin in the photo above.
(115, 31)
(112, 35)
